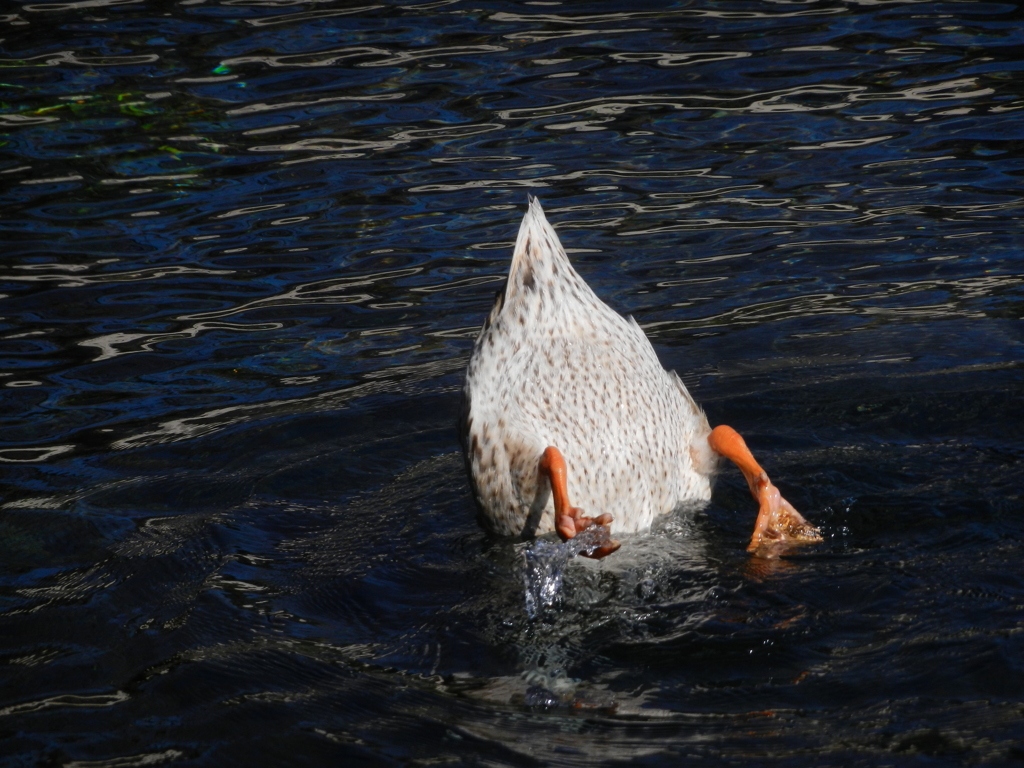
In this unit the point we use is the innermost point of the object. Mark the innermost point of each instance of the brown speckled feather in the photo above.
(554, 365)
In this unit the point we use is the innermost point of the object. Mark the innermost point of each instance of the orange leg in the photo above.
(569, 520)
(777, 522)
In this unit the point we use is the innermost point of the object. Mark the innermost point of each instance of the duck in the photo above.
(562, 393)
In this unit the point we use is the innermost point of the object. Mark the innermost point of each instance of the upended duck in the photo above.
(564, 393)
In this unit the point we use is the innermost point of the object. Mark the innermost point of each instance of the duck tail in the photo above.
(538, 255)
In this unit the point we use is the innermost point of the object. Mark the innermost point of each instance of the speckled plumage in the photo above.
(555, 366)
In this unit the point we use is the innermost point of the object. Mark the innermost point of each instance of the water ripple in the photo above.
(293, 18)
(393, 379)
(259, 108)
(855, 300)
(784, 100)
(73, 281)
(70, 57)
(68, 700)
(319, 292)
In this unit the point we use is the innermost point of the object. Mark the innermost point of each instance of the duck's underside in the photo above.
(561, 391)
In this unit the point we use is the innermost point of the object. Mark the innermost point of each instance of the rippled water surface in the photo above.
(246, 246)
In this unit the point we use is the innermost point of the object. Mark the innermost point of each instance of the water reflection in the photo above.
(247, 246)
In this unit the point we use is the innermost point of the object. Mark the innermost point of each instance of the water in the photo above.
(545, 563)
(246, 248)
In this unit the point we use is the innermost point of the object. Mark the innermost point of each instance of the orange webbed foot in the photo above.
(573, 523)
(778, 525)
(570, 520)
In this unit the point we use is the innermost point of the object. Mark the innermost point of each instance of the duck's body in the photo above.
(558, 375)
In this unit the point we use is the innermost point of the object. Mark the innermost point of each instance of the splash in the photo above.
(546, 562)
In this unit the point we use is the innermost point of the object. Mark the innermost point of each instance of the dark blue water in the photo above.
(245, 249)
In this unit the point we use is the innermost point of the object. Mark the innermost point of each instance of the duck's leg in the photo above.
(569, 520)
(777, 522)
